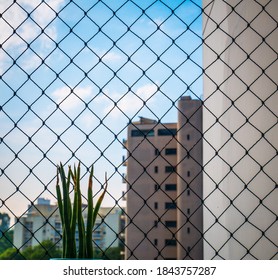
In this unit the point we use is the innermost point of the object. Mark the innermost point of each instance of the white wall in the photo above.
(239, 98)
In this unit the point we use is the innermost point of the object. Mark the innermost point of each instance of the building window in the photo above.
(188, 192)
(170, 151)
(142, 132)
(167, 132)
(170, 169)
(156, 205)
(155, 224)
(170, 242)
(170, 205)
(171, 224)
(155, 242)
(188, 230)
(156, 169)
(156, 152)
(188, 136)
(188, 211)
(188, 173)
(156, 187)
(170, 187)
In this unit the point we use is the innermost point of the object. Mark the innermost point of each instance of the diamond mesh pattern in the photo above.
(74, 74)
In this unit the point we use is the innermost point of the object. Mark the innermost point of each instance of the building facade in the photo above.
(164, 186)
(108, 228)
(43, 222)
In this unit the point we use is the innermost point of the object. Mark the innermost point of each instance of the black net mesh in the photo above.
(75, 76)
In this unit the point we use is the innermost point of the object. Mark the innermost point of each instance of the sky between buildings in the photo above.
(75, 73)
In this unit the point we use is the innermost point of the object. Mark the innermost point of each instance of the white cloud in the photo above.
(3, 63)
(132, 102)
(32, 63)
(31, 3)
(16, 18)
(158, 21)
(42, 11)
(161, 23)
(111, 56)
(88, 120)
(70, 99)
(11, 20)
(4, 4)
(43, 14)
(28, 31)
(45, 42)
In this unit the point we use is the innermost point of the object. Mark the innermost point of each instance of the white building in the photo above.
(240, 129)
(108, 228)
(42, 222)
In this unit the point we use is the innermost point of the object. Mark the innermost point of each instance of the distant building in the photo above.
(43, 222)
(164, 186)
(107, 228)
(4, 223)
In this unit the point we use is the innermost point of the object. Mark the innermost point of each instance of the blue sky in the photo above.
(68, 86)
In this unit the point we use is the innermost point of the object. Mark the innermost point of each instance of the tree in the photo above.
(11, 254)
(112, 253)
(6, 241)
(44, 251)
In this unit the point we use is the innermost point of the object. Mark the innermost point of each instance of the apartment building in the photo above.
(107, 228)
(164, 186)
(43, 222)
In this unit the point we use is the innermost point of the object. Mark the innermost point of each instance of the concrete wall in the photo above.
(240, 129)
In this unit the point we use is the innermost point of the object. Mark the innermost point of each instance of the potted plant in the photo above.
(71, 213)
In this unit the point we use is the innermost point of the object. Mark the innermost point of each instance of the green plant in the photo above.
(71, 213)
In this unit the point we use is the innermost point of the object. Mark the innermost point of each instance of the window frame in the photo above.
(171, 224)
(170, 205)
(167, 132)
(170, 187)
(170, 151)
(142, 133)
(170, 242)
(170, 169)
